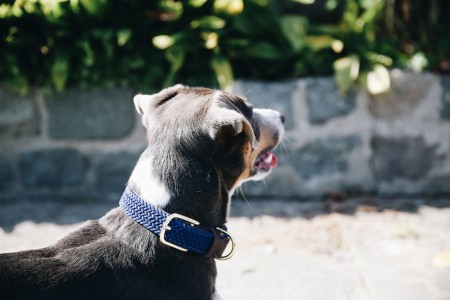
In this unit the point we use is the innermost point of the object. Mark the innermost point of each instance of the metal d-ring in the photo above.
(233, 245)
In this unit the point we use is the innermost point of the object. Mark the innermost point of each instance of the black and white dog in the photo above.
(202, 144)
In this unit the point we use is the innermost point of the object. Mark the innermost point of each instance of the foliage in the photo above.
(53, 44)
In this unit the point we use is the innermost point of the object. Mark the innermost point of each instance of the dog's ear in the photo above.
(228, 123)
(144, 103)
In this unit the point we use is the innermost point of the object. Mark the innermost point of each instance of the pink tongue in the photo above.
(274, 161)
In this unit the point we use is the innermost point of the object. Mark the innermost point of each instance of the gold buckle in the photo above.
(166, 227)
(233, 245)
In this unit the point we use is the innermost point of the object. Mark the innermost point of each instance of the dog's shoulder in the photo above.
(88, 233)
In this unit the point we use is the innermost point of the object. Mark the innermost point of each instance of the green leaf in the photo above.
(319, 42)
(89, 56)
(351, 14)
(211, 39)
(238, 42)
(231, 7)
(224, 72)
(174, 9)
(197, 3)
(331, 4)
(376, 58)
(417, 62)
(337, 46)
(306, 2)
(294, 28)
(372, 11)
(163, 41)
(59, 72)
(209, 22)
(257, 21)
(262, 2)
(325, 29)
(263, 50)
(93, 6)
(123, 36)
(346, 70)
(175, 56)
(378, 80)
(4, 10)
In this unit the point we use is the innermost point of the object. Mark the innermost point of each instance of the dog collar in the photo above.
(177, 231)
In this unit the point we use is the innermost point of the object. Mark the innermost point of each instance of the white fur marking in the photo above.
(257, 177)
(151, 189)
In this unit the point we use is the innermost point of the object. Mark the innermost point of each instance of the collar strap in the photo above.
(175, 230)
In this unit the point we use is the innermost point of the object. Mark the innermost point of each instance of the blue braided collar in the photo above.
(176, 230)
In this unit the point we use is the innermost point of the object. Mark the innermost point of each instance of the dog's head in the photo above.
(196, 129)
(203, 143)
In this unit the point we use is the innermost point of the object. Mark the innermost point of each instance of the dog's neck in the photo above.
(203, 196)
(147, 185)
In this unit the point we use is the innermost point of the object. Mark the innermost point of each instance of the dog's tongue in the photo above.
(270, 158)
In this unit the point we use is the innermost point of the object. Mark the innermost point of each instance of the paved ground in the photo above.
(355, 249)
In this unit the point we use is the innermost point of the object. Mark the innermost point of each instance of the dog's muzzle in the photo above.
(178, 231)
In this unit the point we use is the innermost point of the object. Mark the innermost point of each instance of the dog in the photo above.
(202, 144)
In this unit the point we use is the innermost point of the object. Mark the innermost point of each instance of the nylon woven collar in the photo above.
(177, 231)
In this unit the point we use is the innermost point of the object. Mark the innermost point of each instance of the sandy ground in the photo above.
(355, 249)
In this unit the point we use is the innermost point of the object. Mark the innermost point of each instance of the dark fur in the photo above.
(114, 257)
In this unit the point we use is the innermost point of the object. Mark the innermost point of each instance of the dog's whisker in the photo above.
(241, 190)
(286, 139)
(284, 146)
(287, 151)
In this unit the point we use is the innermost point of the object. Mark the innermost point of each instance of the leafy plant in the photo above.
(361, 59)
(57, 43)
(53, 44)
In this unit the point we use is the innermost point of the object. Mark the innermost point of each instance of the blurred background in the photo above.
(146, 45)
(358, 207)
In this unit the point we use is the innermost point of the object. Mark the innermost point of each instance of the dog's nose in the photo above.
(283, 119)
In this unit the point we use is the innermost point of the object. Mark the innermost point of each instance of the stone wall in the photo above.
(80, 144)
(84, 144)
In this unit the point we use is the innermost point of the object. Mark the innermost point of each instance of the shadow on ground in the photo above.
(66, 213)
(12, 214)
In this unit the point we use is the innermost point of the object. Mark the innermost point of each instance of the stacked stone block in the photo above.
(86, 142)
(75, 143)
(396, 143)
